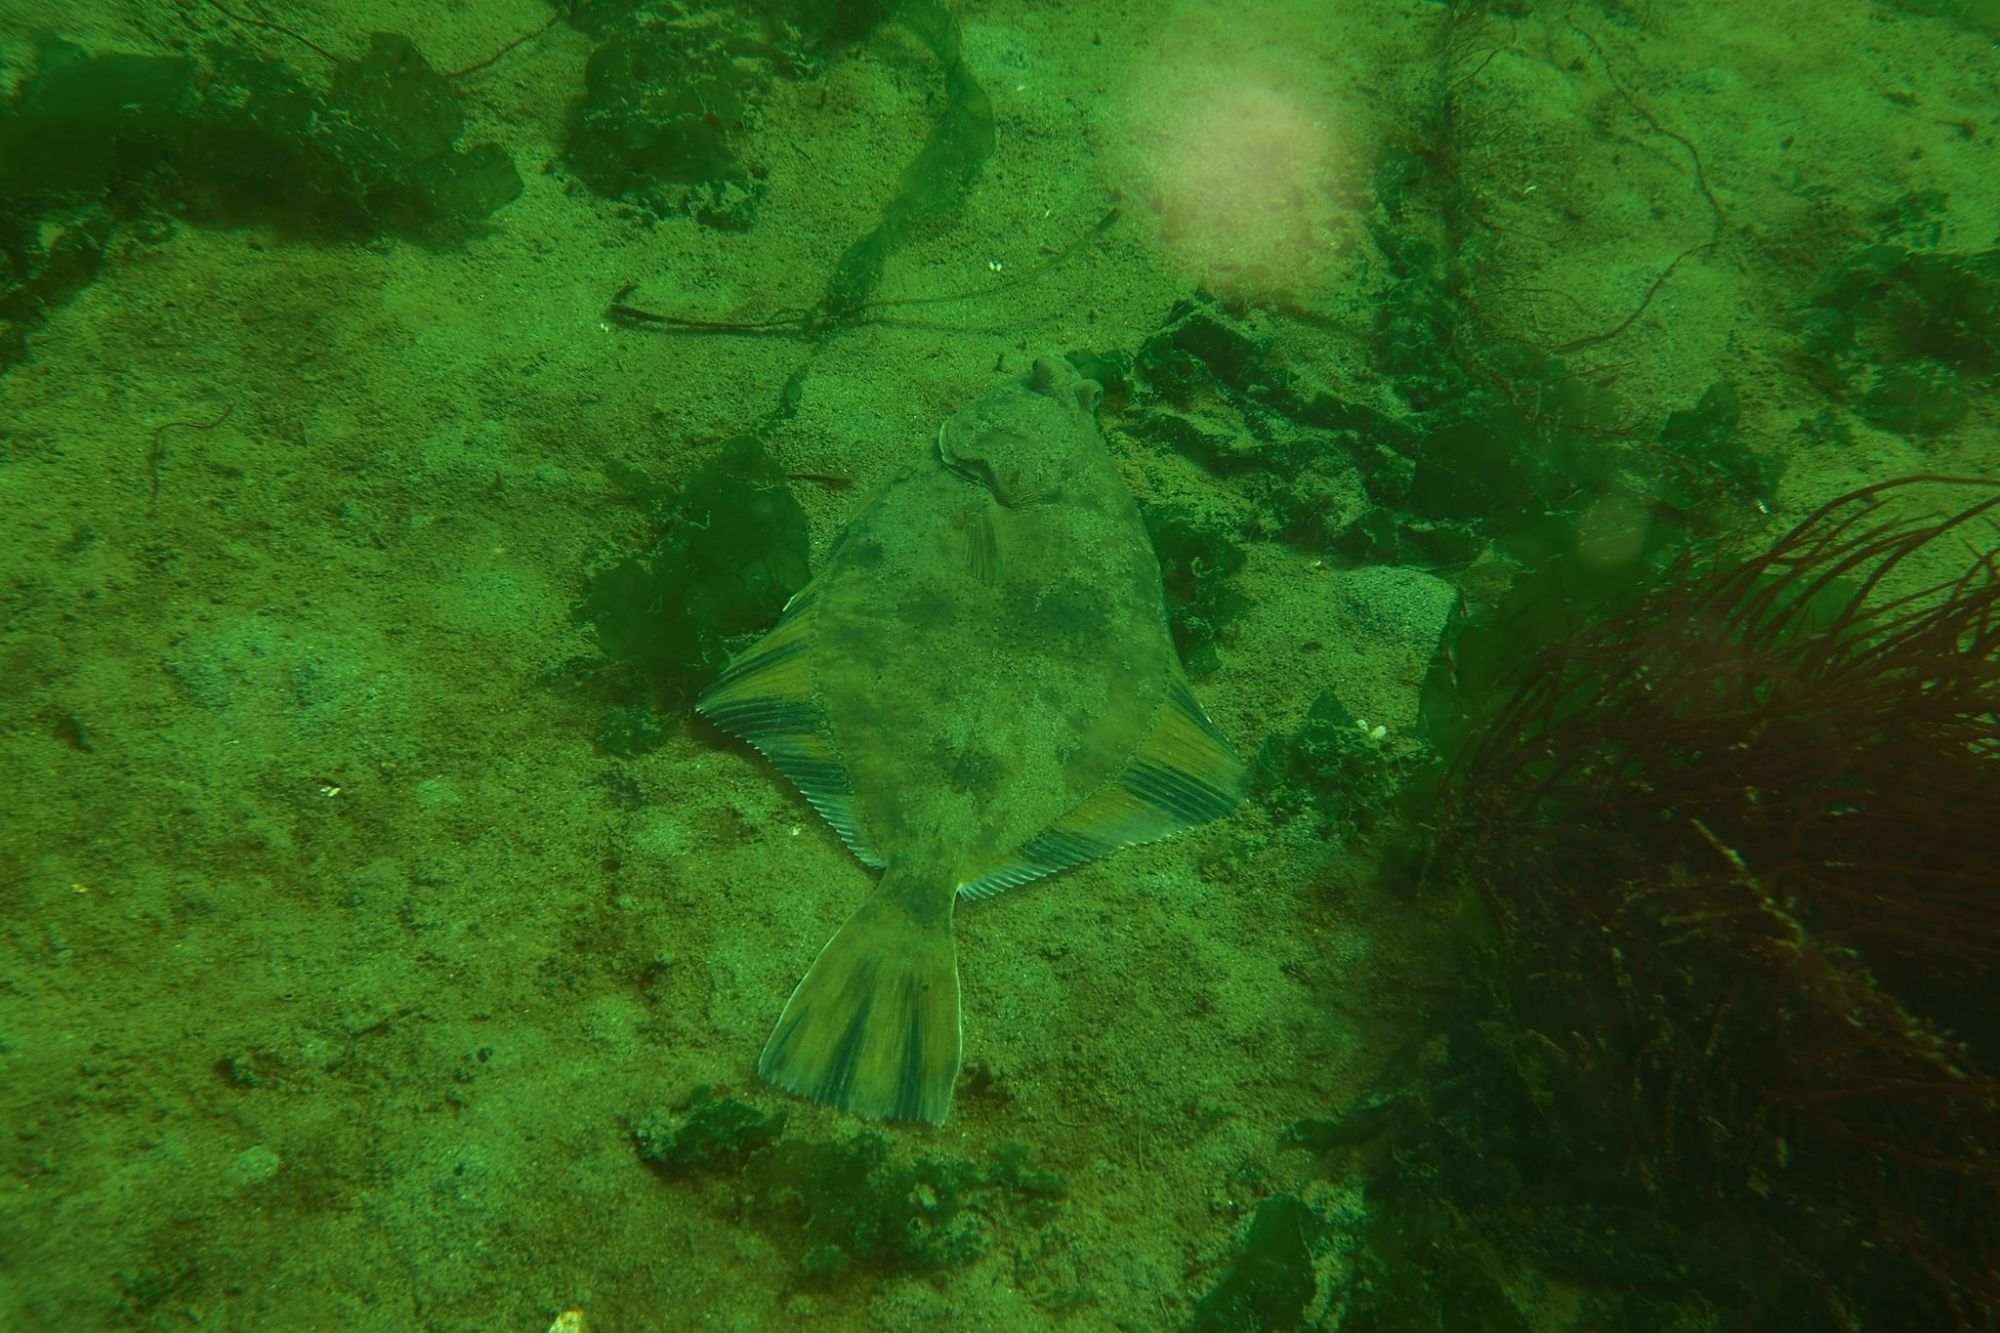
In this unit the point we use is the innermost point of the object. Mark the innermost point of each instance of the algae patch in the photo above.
(851, 1204)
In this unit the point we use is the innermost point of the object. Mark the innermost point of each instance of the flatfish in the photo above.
(978, 690)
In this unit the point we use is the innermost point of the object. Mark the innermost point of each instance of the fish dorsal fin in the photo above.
(767, 698)
(1184, 773)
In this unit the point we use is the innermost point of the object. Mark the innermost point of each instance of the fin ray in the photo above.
(1185, 773)
(767, 698)
(982, 546)
(874, 1027)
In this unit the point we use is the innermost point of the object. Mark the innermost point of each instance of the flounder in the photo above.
(979, 689)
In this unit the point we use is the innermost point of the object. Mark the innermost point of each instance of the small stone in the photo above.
(254, 1166)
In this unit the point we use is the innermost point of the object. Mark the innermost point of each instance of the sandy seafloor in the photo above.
(331, 831)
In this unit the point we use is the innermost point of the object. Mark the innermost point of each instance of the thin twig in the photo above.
(156, 455)
(293, 33)
(1701, 180)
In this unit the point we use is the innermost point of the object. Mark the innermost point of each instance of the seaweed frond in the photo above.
(1743, 845)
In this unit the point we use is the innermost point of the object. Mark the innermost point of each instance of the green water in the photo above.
(406, 412)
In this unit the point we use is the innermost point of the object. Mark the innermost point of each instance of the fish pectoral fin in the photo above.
(982, 545)
(874, 1027)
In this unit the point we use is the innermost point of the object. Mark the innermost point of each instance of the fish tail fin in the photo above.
(874, 1027)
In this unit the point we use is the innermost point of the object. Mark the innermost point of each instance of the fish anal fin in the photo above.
(1183, 774)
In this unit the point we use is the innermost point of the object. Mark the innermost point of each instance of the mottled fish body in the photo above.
(979, 689)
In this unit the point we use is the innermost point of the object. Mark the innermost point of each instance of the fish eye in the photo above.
(973, 468)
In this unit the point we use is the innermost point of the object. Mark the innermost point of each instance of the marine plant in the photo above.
(851, 1203)
(672, 92)
(1738, 849)
(1333, 767)
(224, 135)
(227, 135)
(706, 1133)
(664, 106)
(1270, 1282)
(728, 548)
(1908, 329)
(1199, 558)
